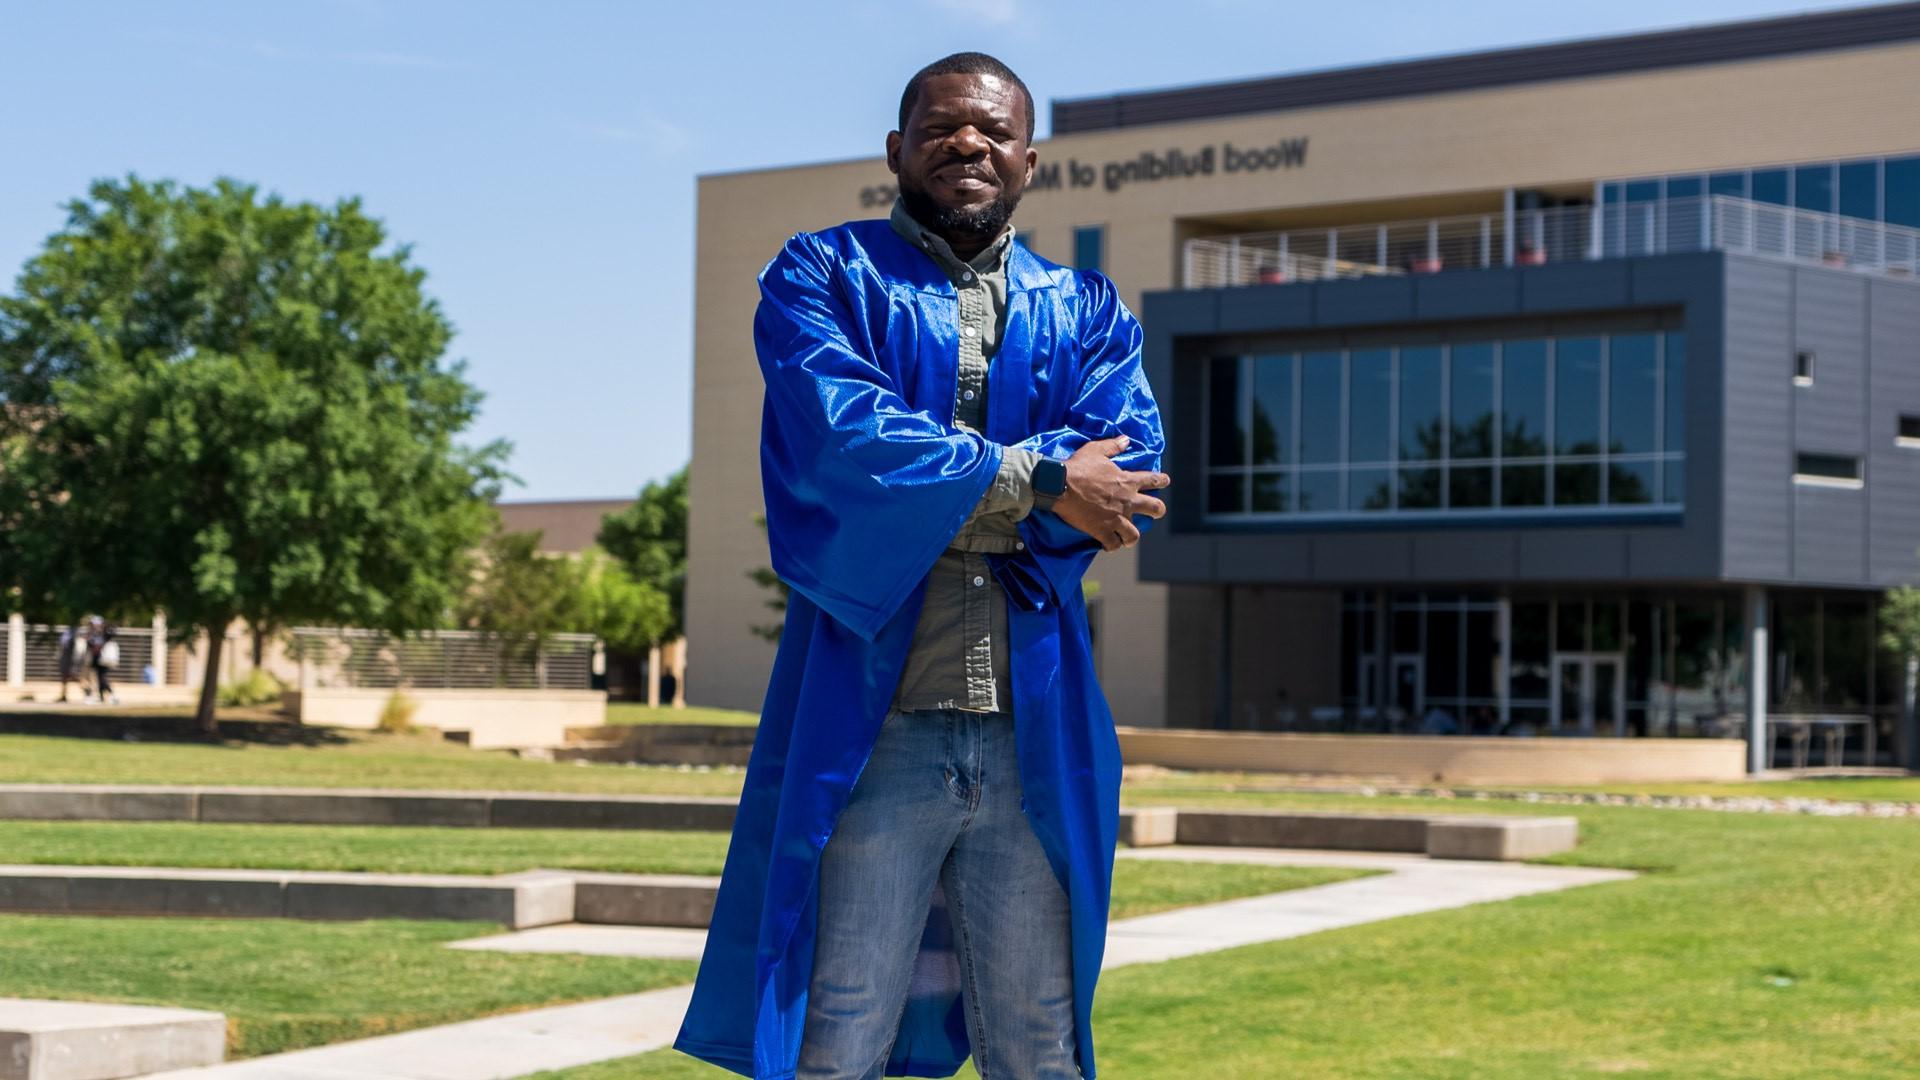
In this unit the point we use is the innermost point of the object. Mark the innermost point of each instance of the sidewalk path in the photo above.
(501, 1047)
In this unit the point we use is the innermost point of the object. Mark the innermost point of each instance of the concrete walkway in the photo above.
(497, 1048)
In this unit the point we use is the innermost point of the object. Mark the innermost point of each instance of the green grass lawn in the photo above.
(1754, 947)
(1139, 886)
(1172, 786)
(356, 759)
(628, 712)
(286, 984)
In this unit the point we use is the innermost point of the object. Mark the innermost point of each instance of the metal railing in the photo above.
(440, 659)
(1558, 234)
(42, 652)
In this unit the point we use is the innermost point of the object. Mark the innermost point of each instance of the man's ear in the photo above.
(894, 141)
(1033, 158)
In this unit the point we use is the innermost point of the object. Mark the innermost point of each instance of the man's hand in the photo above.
(1101, 498)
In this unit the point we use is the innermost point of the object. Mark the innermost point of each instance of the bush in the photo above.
(396, 715)
(258, 688)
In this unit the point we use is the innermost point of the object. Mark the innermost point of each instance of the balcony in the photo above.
(1561, 234)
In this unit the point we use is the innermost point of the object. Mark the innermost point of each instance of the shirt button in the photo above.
(966, 275)
(1019, 546)
(979, 581)
(967, 331)
(968, 395)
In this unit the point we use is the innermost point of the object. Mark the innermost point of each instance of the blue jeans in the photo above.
(939, 805)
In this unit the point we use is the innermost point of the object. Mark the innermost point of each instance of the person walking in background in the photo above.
(103, 650)
(73, 661)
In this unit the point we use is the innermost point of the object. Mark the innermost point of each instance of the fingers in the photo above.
(1150, 481)
(1147, 505)
(1125, 532)
(1113, 447)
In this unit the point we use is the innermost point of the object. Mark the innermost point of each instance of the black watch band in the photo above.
(1049, 482)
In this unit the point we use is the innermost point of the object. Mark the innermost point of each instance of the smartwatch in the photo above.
(1049, 482)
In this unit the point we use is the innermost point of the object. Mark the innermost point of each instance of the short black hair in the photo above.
(964, 63)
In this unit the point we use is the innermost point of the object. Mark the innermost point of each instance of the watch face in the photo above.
(1050, 477)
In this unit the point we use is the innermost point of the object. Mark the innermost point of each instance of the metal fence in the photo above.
(440, 659)
(42, 652)
(1552, 235)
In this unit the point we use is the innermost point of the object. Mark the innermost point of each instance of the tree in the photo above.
(519, 598)
(226, 406)
(764, 577)
(649, 539)
(627, 614)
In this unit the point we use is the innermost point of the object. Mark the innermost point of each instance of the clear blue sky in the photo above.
(541, 157)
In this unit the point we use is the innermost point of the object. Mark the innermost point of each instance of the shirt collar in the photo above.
(991, 260)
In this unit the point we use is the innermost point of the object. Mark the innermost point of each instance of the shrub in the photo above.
(258, 688)
(397, 714)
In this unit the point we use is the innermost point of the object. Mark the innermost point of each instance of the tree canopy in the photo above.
(649, 539)
(225, 405)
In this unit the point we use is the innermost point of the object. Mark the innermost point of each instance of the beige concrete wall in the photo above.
(491, 718)
(1439, 152)
(1442, 759)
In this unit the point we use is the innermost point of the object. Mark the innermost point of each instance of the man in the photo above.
(953, 428)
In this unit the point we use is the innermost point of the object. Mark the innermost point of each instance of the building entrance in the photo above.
(1589, 692)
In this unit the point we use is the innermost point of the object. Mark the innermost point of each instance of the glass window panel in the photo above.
(1470, 487)
(1684, 187)
(1370, 405)
(1639, 191)
(1320, 409)
(1860, 190)
(1471, 376)
(1273, 410)
(1089, 246)
(1531, 646)
(1576, 485)
(1443, 651)
(1606, 625)
(1631, 483)
(1610, 192)
(1813, 188)
(1406, 624)
(1420, 489)
(1483, 654)
(1523, 485)
(1319, 491)
(1728, 183)
(1523, 399)
(1770, 186)
(1676, 392)
(1224, 493)
(1270, 492)
(1632, 383)
(1903, 191)
(1570, 626)
(1576, 395)
(1796, 650)
(1227, 441)
(1422, 428)
(1370, 489)
(1847, 655)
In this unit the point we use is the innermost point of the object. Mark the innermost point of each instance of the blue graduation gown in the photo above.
(866, 481)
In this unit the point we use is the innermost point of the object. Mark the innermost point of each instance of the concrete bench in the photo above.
(1441, 836)
(77, 1040)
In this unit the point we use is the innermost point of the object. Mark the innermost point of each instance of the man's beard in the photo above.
(987, 221)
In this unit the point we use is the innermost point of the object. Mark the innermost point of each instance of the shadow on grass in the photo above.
(262, 727)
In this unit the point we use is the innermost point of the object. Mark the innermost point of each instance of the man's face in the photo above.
(963, 160)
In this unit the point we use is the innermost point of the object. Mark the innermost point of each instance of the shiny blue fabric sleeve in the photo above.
(862, 490)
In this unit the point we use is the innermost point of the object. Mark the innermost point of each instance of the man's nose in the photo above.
(967, 142)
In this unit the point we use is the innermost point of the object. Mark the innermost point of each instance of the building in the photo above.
(1569, 389)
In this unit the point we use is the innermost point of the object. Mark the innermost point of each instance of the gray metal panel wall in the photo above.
(1756, 372)
(1893, 471)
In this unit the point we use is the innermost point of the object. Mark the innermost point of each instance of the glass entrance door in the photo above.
(1588, 691)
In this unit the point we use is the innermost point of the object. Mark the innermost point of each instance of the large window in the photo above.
(1638, 211)
(1589, 423)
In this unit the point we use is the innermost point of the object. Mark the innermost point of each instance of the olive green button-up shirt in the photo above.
(959, 655)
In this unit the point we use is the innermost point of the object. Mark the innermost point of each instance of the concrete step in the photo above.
(78, 1040)
(363, 806)
(1441, 836)
(529, 898)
